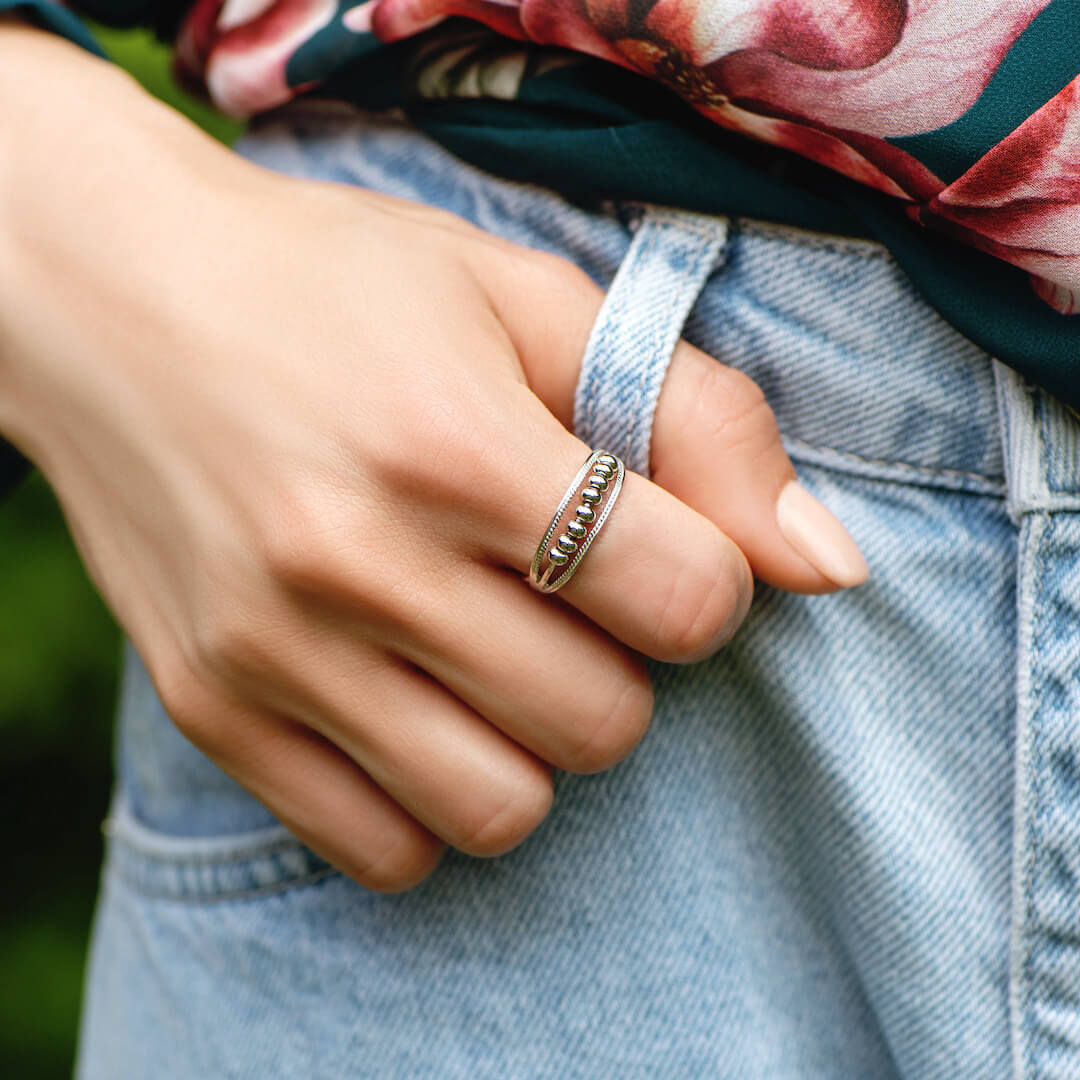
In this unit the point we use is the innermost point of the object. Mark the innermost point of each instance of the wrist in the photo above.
(102, 189)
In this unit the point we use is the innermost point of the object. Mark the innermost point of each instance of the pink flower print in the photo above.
(830, 79)
(1021, 201)
(240, 49)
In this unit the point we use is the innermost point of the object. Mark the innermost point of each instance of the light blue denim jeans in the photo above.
(849, 846)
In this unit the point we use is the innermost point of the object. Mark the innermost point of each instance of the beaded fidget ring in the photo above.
(597, 499)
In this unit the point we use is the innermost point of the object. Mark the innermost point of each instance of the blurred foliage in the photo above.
(59, 661)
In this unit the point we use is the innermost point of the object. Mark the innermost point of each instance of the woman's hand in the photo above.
(307, 439)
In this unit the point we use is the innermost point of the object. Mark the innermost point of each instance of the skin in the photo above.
(306, 438)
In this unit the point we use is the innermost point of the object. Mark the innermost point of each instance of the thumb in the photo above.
(715, 442)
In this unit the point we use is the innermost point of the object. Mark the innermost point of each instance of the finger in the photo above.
(315, 790)
(659, 576)
(707, 414)
(715, 442)
(542, 673)
(439, 759)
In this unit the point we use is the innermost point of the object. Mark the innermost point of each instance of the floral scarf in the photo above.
(842, 82)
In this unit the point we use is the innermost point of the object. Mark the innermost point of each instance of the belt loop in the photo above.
(1040, 445)
(670, 258)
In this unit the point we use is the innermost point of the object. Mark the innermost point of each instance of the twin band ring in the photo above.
(553, 566)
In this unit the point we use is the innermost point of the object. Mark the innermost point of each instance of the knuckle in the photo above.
(365, 569)
(496, 832)
(735, 408)
(227, 645)
(703, 605)
(562, 273)
(565, 286)
(444, 456)
(186, 700)
(402, 867)
(615, 734)
(299, 550)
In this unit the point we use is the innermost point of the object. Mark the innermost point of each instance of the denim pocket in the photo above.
(200, 869)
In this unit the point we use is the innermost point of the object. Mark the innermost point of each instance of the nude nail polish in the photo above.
(816, 534)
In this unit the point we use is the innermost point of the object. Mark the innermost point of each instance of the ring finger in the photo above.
(438, 758)
(540, 671)
(660, 577)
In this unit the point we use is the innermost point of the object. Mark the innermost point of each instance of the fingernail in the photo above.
(816, 534)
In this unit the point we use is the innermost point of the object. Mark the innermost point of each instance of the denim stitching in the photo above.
(1056, 465)
(635, 255)
(593, 384)
(994, 485)
(286, 884)
(838, 245)
(647, 369)
(683, 221)
(225, 858)
(700, 243)
(807, 238)
(1033, 787)
(592, 387)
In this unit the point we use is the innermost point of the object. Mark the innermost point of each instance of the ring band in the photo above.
(552, 567)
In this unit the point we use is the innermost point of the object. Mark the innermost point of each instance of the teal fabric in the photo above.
(1035, 69)
(53, 17)
(986, 299)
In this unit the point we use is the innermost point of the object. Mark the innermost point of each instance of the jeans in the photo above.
(848, 847)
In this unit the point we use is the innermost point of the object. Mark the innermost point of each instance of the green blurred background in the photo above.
(59, 661)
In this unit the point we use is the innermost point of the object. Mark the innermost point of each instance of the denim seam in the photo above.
(270, 848)
(838, 245)
(682, 221)
(592, 388)
(1053, 436)
(1033, 497)
(123, 830)
(1028, 794)
(645, 371)
(807, 238)
(904, 471)
(207, 896)
(592, 385)
(1065, 503)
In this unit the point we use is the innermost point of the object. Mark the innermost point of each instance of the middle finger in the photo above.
(542, 672)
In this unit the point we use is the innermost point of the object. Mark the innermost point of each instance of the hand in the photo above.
(307, 439)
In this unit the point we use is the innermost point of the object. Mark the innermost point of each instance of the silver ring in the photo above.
(552, 567)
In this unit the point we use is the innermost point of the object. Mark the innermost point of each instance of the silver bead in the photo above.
(608, 460)
(557, 557)
(567, 545)
(590, 495)
(576, 529)
(599, 482)
(606, 471)
(585, 513)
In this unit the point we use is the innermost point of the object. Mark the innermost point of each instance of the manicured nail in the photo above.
(815, 533)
